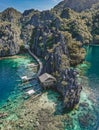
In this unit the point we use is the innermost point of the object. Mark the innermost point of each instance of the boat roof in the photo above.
(30, 92)
(24, 77)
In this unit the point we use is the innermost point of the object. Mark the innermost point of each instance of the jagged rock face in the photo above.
(57, 63)
(81, 25)
(57, 36)
(76, 5)
(95, 27)
(10, 15)
(57, 57)
(9, 39)
(43, 39)
(26, 33)
(69, 88)
(28, 12)
(55, 51)
(27, 15)
(42, 18)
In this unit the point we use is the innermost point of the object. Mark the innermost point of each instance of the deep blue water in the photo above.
(93, 72)
(93, 76)
(87, 115)
(8, 78)
(11, 70)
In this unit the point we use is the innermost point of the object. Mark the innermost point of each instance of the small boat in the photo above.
(30, 92)
(25, 78)
(26, 87)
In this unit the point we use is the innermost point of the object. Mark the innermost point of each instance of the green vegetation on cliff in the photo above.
(43, 29)
(57, 36)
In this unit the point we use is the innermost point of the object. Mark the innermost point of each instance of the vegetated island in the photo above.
(57, 36)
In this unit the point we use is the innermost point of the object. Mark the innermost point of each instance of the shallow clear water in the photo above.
(87, 115)
(93, 75)
(11, 70)
(84, 117)
(93, 72)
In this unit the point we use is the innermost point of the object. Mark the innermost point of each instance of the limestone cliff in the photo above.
(10, 41)
(57, 36)
(27, 27)
(76, 5)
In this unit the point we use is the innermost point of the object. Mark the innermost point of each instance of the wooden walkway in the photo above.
(37, 59)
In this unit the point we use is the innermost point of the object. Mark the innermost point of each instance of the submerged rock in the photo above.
(87, 119)
(3, 115)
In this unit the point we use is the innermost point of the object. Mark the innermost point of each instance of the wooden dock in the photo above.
(39, 62)
(36, 58)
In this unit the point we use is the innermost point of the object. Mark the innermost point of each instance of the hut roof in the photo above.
(46, 76)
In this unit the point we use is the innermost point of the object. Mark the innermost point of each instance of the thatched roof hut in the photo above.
(47, 80)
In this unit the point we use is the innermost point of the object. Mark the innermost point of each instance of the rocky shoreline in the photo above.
(57, 36)
(67, 86)
(46, 112)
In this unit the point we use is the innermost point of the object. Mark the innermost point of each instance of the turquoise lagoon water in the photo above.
(93, 72)
(11, 70)
(93, 76)
(86, 117)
